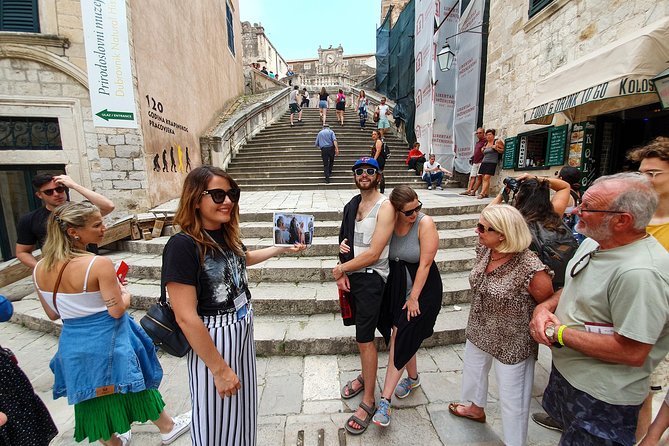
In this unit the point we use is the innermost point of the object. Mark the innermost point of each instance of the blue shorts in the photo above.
(383, 124)
(322, 104)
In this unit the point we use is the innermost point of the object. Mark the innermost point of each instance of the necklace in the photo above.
(499, 258)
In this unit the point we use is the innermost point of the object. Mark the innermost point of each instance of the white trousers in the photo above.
(515, 390)
(229, 421)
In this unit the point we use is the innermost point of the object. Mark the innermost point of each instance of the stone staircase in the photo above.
(281, 157)
(294, 297)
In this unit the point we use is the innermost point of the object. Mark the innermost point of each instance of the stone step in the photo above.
(316, 178)
(390, 183)
(291, 269)
(248, 173)
(319, 334)
(301, 298)
(279, 165)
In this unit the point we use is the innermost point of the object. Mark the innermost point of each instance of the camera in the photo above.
(512, 184)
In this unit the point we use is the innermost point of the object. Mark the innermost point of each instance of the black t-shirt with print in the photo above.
(222, 276)
(31, 229)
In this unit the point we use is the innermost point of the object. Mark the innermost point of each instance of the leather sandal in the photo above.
(482, 196)
(347, 391)
(364, 424)
(453, 408)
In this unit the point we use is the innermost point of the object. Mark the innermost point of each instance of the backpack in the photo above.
(385, 150)
(554, 248)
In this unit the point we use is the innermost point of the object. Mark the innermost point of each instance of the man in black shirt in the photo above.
(53, 191)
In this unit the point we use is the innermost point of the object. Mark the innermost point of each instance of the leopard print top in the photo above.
(501, 308)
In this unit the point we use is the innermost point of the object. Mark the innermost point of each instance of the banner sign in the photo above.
(623, 86)
(424, 29)
(108, 59)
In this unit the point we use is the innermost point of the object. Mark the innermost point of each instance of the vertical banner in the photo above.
(468, 61)
(444, 84)
(108, 60)
(423, 50)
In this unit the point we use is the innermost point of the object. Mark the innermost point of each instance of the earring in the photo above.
(76, 237)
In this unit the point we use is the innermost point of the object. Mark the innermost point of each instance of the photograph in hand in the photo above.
(292, 228)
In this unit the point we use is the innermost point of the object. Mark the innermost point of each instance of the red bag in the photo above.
(346, 308)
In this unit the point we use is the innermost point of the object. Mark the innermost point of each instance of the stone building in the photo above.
(569, 82)
(174, 81)
(257, 48)
(333, 61)
(397, 5)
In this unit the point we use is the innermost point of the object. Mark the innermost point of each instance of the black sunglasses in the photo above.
(58, 189)
(218, 195)
(369, 171)
(582, 263)
(482, 229)
(416, 209)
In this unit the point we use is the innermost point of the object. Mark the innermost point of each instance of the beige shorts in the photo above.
(475, 170)
(659, 379)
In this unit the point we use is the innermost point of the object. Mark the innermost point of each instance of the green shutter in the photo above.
(19, 15)
(537, 5)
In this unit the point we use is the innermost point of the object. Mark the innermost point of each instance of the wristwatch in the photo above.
(550, 334)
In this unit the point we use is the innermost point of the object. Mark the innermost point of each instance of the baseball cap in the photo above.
(6, 309)
(366, 161)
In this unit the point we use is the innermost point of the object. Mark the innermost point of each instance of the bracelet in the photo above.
(559, 334)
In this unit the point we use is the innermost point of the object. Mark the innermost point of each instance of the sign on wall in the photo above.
(108, 60)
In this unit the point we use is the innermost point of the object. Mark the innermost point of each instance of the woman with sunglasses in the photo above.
(507, 281)
(105, 365)
(204, 271)
(414, 289)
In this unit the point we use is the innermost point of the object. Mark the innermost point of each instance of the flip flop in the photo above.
(364, 424)
(453, 408)
(351, 392)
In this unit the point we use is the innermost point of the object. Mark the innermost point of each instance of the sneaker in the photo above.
(544, 420)
(429, 188)
(382, 415)
(440, 188)
(410, 170)
(125, 438)
(181, 426)
(405, 387)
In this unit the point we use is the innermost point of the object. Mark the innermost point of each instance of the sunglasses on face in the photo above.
(482, 229)
(218, 195)
(579, 211)
(59, 190)
(409, 213)
(369, 171)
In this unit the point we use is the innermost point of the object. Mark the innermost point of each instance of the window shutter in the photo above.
(537, 5)
(19, 15)
(231, 29)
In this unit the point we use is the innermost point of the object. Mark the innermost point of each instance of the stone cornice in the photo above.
(15, 38)
(45, 57)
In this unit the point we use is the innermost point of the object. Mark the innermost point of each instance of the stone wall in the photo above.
(257, 48)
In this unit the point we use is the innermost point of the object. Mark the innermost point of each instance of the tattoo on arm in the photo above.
(110, 302)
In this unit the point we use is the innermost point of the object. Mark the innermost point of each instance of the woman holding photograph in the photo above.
(204, 270)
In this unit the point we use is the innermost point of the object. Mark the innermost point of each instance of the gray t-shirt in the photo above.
(490, 155)
(293, 97)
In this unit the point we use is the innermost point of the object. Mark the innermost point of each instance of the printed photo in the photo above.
(293, 228)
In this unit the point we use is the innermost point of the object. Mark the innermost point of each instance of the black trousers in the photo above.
(328, 156)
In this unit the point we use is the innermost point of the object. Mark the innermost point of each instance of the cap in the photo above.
(366, 161)
(6, 309)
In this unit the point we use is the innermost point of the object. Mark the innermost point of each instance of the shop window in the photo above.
(231, 30)
(19, 15)
(536, 150)
(537, 5)
(20, 133)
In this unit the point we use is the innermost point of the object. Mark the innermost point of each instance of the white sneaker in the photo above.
(440, 188)
(429, 188)
(181, 426)
(125, 438)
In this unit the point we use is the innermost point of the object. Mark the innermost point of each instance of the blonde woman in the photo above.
(507, 281)
(105, 364)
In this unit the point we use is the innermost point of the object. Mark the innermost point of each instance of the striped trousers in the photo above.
(230, 421)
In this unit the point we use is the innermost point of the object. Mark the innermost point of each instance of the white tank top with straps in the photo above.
(364, 230)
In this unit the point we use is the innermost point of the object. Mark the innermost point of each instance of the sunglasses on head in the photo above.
(369, 171)
(218, 195)
(482, 229)
(58, 189)
(410, 212)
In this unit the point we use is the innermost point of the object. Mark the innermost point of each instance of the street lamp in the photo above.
(445, 57)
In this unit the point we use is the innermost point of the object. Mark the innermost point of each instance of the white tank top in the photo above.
(73, 305)
(364, 230)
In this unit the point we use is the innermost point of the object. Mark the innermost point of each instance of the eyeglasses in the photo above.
(59, 190)
(416, 209)
(652, 173)
(582, 263)
(482, 229)
(218, 195)
(369, 171)
(579, 210)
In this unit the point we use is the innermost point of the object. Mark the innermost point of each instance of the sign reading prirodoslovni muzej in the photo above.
(108, 59)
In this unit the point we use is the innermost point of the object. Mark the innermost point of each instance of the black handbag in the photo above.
(161, 326)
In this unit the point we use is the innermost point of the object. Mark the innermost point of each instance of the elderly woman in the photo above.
(508, 280)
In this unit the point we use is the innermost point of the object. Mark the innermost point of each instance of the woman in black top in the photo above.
(204, 270)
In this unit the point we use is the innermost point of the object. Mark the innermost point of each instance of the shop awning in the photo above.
(622, 68)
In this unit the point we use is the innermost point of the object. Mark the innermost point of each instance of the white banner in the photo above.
(108, 59)
(468, 61)
(423, 48)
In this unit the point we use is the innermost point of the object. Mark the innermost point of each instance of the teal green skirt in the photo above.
(99, 418)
